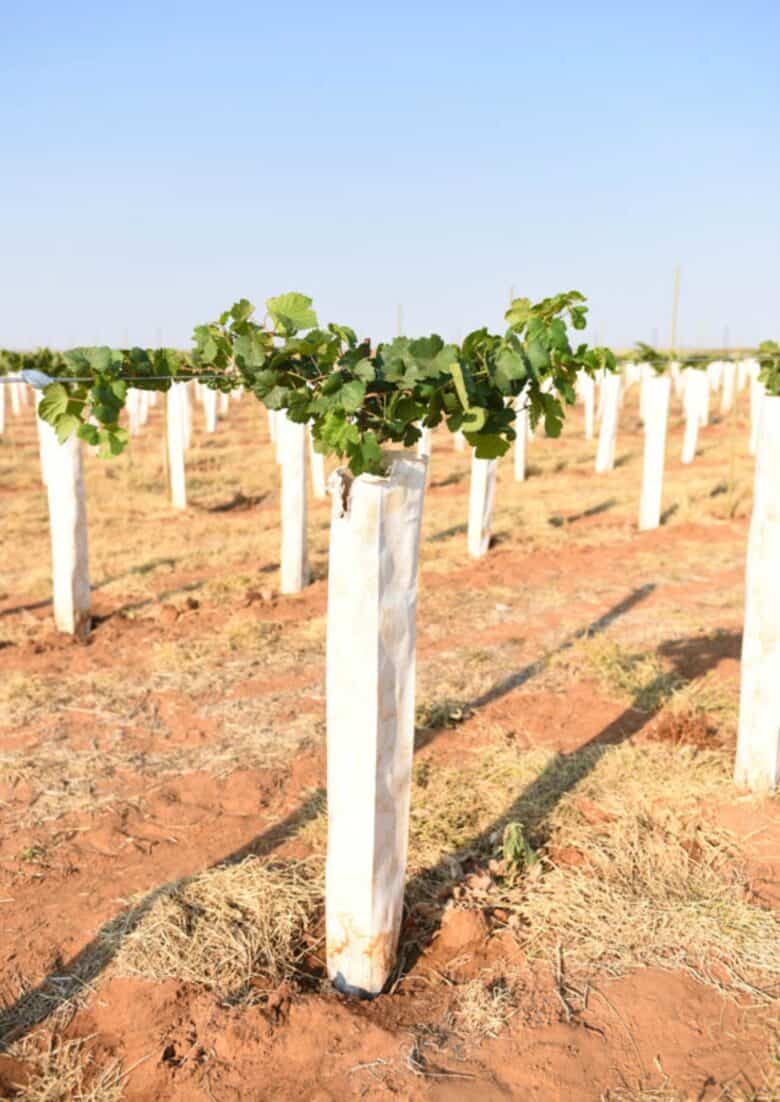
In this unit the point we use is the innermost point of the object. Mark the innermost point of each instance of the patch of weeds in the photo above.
(516, 851)
(639, 676)
(442, 714)
(33, 855)
(252, 635)
(466, 808)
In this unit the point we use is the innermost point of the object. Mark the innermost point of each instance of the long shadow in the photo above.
(144, 568)
(456, 530)
(450, 480)
(239, 502)
(424, 736)
(558, 521)
(134, 606)
(516, 680)
(70, 979)
(691, 658)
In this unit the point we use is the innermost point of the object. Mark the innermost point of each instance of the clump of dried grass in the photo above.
(66, 1071)
(231, 929)
(250, 636)
(708, 697)
(482, 1006)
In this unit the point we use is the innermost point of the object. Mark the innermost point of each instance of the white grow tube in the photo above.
(695, 402)
(758, 740)
(291, 445)
(209, 398)
(657, 390)
(482, 494)
(372, 601)
(68, 526)
(176, 430)
(605, 456)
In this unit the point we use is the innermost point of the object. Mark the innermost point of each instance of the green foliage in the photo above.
(358, 401)
(662, 361)
(91, 388)
(646, 354)
(291, 312)
(769, 360)
(516, 850)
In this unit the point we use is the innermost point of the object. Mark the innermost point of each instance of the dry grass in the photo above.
(643, 680)
(66, 781)
(636, 677)
(659, 885)
(67, 1071)
(708, 696)
(768, 1090)
(30, 699)
(656, 882)
(234, 929)
(740, 1089)
(467, 806)
(483, 1006)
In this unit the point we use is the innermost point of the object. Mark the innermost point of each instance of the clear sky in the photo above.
(159, 160)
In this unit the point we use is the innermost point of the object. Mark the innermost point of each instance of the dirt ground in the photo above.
(591, 906)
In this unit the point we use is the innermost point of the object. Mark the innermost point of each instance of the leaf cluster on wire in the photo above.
(357, 399)
(91, 387)
(661, 362)
(360, 400)
(768, 357)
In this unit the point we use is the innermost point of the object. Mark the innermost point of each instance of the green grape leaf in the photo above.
(54, 402)
(487, 446)
(352, 394)
(89, 434)
(250, 349)
(113, 441)
(241, 311)
(291, 312)
(518, 313)
(66, 425)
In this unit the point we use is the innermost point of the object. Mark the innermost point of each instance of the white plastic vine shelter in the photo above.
(758, 739)
(372, 599)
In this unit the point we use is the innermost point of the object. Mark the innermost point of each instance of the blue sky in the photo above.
(160, 160)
